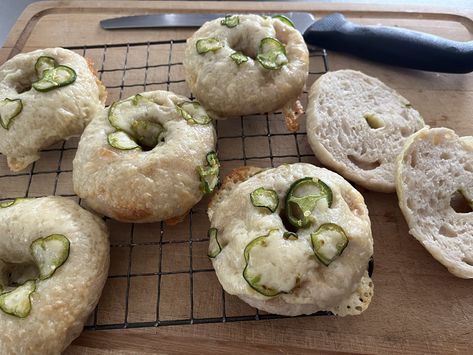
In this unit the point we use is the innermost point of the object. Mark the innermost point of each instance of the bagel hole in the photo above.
(146, 148)
(364, 165)
(241, 44)
(18, 273)
(460, 203)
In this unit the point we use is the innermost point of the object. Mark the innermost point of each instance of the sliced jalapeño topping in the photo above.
(6, 204)
(212, 159)
(271, 54)
(121, 140)
(214, 246)
(18, 301)
(50, 253)
(9, 109)
(123, 113)
(238, 57)
(251, 276)
(265, 198)
(51, 75)
(44, 63)
(193, 112)
(284, 19)
(301, 199)
(209, 173)
(328, 241)
(230, 21)
(205, 45)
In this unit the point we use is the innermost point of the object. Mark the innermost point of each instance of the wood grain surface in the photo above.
(418, 306)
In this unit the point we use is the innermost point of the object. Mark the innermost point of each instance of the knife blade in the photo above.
(301, 20)
(389, 45)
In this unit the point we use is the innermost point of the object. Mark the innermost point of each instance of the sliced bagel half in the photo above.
(356, 125)
(434, 183)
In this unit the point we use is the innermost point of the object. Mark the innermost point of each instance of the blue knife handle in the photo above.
(391, 45)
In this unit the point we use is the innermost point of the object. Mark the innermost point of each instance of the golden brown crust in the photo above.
(101, 86)
(235, 176)
(106, 153)
(131, 213)
(239, 175)
(176, 220)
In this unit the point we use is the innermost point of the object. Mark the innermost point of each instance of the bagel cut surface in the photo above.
(274, 266)
(356, 125)
(229, 87)
(49, 115)
(434, 168)
(144, 184)
(61, 302)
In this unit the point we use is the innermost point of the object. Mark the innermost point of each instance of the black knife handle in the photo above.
(391, 45)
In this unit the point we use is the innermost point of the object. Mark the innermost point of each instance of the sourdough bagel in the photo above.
(246, 64)
(45, 96)
(434, 166)
(54, 259)
(281, 261)
(146, 158)
(356, 125)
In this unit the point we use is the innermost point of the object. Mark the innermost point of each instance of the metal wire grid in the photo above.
(169, 296)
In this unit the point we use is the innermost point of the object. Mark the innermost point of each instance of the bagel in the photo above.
(54, 259)
(147, 158)
(356, 125)
(292, 240)
(434, 168)
(45, 96)
(248, 64)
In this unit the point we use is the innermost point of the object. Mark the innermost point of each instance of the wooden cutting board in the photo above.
(418, 306)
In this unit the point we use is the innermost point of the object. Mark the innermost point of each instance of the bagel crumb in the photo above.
(292, 114)
(357, 126)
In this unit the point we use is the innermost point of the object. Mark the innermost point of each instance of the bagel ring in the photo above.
(54, 259)
(267, 73)
(292, 240)
(162, 178)
(45, 96)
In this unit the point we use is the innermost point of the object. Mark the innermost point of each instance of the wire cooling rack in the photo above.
(160, 274)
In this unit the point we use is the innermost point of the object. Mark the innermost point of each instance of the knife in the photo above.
(389, 45)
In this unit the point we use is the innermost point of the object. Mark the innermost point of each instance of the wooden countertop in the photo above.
(418, 306)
